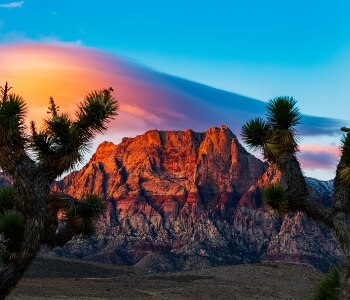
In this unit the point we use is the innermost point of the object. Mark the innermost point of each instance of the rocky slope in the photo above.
(183, 199)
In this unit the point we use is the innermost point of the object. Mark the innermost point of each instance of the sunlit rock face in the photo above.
(194, 199)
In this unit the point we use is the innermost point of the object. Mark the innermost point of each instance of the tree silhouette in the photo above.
(34, 159)
(276, 137)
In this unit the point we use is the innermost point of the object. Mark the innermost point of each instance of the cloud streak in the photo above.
(15, 4)
(148, 99)
(314, 157)
(156, 99)
(318, 160)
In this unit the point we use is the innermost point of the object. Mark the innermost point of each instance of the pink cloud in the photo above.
(330, 149)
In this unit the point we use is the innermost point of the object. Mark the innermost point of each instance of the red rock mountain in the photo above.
(185, 199)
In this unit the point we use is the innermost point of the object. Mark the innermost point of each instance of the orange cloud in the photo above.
(68, 72)
(39, 71)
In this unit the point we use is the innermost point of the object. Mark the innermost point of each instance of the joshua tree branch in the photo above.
(58, 239)
(341, 194)
(12, 272)
(298, 196)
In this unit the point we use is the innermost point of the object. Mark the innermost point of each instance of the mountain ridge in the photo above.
(189, 199)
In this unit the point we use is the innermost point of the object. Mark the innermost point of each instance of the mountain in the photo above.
(184, 199)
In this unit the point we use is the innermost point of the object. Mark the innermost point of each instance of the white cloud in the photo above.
(12, 4)
(15, 37)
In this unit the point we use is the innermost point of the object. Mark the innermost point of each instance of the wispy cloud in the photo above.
(14, 4)
(318, 160)
(16, 37)
(319, 156)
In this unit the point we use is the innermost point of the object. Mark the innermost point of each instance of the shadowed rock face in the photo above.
(195, 199)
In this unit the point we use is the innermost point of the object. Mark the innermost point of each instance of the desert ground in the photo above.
(58, 279)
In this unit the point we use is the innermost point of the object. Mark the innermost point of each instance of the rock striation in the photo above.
(189, 199)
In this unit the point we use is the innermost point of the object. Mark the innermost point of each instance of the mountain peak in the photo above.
(189, 192)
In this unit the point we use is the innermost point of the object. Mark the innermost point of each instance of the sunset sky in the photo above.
(186, 64)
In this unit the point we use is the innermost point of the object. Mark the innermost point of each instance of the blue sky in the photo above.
(259, 49)
(256, 48)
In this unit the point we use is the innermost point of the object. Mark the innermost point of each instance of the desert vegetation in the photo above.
(34, 159)
(277, 138)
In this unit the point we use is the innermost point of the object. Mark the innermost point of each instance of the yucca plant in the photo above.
(29, 210)
(12, 226)
(276, 135)
(329, 287)
(344, 165)
(82, 214)
(275, 196)
(277, 138)
(7, 198)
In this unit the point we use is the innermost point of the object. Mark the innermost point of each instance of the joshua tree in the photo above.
(276, 137)
(34, 159)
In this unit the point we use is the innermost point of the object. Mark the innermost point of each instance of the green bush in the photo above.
(328, 288)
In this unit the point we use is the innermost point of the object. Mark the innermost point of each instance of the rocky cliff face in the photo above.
(190, 199)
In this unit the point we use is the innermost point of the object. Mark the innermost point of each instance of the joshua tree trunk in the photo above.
(335, 218)
(33, 189)
(345, 279)
(13, 272)
(276, 137)
(10, 276)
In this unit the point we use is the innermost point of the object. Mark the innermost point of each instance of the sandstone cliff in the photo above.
(191, 199)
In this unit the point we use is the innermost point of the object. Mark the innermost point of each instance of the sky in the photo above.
(167, 58)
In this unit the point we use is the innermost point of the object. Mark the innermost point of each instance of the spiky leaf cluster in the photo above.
(12, 113)
(61, 143)
(277, 134)
(7, 198)
(97, 109)
(275, 196)
(255, 132)
(282, 113)
(344, 164)
(329, 287)
(12, 227)
(83, 214)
